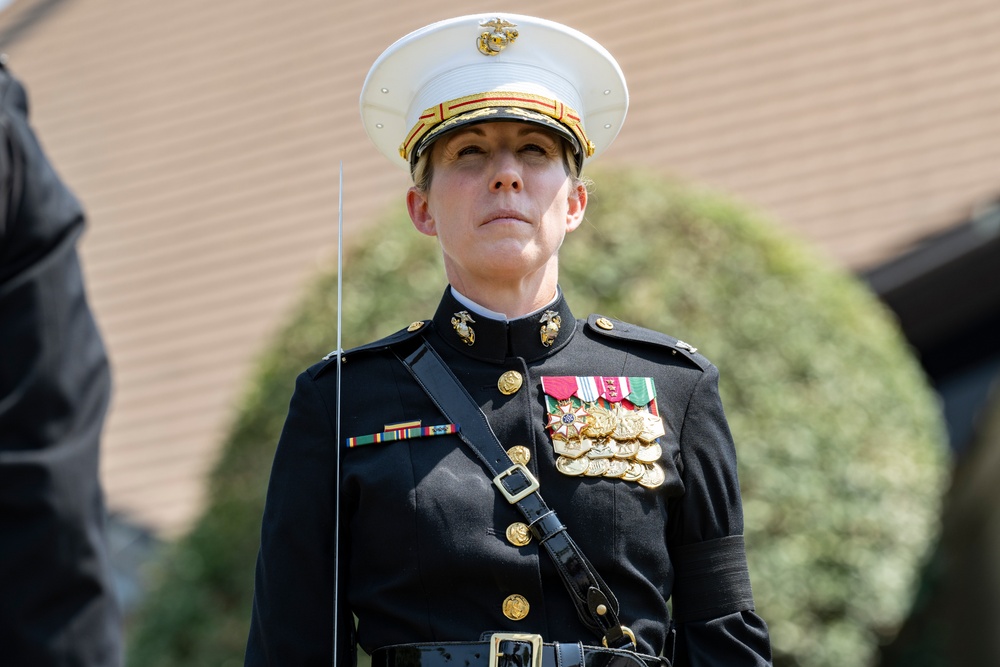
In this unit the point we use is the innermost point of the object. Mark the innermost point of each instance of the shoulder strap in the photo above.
(595, 604)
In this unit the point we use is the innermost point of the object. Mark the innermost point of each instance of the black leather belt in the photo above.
(510, 650)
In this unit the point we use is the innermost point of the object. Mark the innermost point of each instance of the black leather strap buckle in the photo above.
(533, 641)
(621, 631)
(516, 496)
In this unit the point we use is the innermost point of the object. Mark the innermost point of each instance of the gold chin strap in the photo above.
(436, 115)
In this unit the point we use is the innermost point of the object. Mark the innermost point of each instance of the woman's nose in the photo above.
(508, 176)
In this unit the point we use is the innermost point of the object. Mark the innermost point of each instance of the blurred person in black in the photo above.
(57, 606)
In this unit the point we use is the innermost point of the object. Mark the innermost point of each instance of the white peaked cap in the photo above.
(442, 76)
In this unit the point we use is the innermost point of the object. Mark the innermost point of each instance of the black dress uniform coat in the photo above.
(424, 555)
(56, 602)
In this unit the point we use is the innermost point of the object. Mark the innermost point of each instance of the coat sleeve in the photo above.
(712, 601)
(292, 616)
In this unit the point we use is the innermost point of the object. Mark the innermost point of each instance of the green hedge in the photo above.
(841, 449)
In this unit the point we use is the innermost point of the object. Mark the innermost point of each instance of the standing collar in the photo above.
(495, 340)
(478, 309)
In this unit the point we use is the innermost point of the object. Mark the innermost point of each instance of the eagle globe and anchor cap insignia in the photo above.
(500, 35)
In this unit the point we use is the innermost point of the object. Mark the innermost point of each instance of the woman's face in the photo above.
(500, 201)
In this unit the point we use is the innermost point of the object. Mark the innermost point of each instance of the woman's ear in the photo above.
(420, 215)
(577, 206)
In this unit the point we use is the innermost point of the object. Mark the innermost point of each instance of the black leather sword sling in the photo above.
(595, 604)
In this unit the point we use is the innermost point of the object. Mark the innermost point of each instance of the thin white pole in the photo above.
(336, 443)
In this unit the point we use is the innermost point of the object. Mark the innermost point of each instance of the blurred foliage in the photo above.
(838, 435)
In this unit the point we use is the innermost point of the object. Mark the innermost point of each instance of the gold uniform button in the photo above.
(605, 323)
(518, 534)
(515, 607)
(510, 382)
(519, 454)
(416, 326)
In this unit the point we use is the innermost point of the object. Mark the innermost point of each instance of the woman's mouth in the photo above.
(504, 216)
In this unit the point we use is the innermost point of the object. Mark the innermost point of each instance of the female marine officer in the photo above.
(517, 487)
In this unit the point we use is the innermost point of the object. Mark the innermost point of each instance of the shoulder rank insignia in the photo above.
(402, 432)
(605, 426)
(687, 346)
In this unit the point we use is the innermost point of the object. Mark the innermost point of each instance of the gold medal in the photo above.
(600, 422)
(617, 468)
(597, 468)
(653, 477)
(574, 448)
(572, 467)
(635, 471)
(649, 453)
(652, 427)
(603, 449)
(627, 449)
(629, 425)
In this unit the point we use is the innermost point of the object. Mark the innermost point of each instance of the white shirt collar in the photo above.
(492, 314)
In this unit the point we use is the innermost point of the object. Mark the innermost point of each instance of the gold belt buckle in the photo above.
(515, 497)
(534, 640)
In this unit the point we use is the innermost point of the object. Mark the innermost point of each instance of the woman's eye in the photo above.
(470, 150)
(534, 148)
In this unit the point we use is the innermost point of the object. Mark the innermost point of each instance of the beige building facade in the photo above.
(204, 139)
